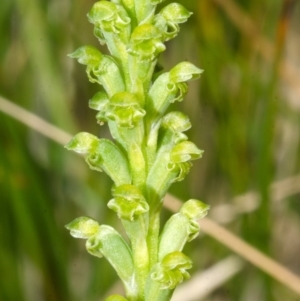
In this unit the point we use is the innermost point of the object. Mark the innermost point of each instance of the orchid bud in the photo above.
(124, 109)
(83, 143)
(171, 270)
(83, 227)
(146, 42)
(128, 202)
(185, 151)
(101, 69)
(182, 227)
(168, 19)
(87, 55)
(109, 158)
(184, 71)
(108, 243)
(109, 17)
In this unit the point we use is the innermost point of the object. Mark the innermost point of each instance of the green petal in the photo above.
(176, 122)
(83, 227)
(87, 55)
(102, 10)
(175, 13)
(185, 151)
(184, 71)
(194, 209)
(99, 101)
(83, 143)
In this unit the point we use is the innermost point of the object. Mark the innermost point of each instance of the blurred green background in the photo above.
(245, 112)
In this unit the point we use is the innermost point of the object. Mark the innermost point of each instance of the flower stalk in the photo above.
(148, 151)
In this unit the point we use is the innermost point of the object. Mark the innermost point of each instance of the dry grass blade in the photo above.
(237, 245)
(33, 121)
(211, 228)
(202, 284)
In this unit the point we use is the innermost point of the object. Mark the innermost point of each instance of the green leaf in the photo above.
(83, 143)
(128, 202)
(83, 227)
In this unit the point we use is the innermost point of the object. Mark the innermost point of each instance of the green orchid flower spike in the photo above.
(148, 151)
